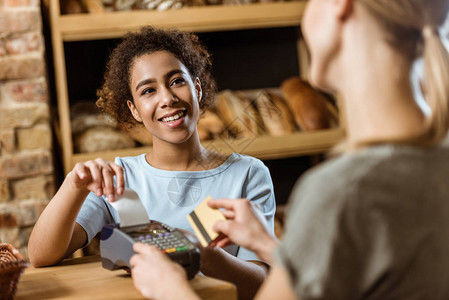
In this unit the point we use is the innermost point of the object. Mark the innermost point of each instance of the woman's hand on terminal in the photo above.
(157, 277)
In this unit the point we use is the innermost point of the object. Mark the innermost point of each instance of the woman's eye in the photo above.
(178, 81)
(148, 91)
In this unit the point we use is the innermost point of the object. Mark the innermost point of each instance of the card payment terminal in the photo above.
(116, 242)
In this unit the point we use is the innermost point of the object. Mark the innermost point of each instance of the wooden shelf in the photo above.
(199, 19)
(264, 147)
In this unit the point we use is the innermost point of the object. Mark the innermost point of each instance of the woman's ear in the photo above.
(134, 111)
(199, 91)
(344, 8)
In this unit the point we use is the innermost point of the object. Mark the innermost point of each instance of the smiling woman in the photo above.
(166, 98)
(159, 80)
(184, 46)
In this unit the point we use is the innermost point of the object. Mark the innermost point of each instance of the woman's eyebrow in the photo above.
(173, 72)
(144, 82)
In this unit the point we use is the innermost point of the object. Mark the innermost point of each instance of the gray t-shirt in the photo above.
(169, 196)
(371, 225)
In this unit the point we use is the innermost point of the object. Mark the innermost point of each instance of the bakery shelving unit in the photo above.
(82, 27)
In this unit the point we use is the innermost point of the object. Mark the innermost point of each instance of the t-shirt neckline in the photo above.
(188, 174)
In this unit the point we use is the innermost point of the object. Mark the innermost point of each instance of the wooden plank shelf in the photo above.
(79, 27)
(263, 147)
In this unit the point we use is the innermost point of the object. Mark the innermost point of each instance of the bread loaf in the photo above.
(204, 134)
(94, 6)
(275, 113)
(124, 4)
(140, 134)
(238, 114)
(307, 104)
(102, 139)
(210, 122)
(72, 7)
(85, 115)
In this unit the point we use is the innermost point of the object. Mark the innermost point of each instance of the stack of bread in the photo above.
(275, 113)
(238, 114)
(100, 6)
(94, 131)
(311, 109)
(296, 106)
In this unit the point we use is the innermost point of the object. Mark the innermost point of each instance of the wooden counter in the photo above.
(85, 278)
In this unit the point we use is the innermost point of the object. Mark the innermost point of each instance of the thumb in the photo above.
(221, 226)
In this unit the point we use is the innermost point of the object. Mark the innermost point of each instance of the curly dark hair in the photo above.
(185, 46)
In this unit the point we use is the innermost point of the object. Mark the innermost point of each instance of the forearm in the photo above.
(245, 275)
(277, 286)
(53, 232)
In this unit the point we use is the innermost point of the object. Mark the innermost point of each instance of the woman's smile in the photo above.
(174, 119)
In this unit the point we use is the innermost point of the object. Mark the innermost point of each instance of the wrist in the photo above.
(264, 248)
(73, 186)
(71, 192)
(209, 257)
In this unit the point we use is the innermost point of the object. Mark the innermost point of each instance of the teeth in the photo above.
(173, 118)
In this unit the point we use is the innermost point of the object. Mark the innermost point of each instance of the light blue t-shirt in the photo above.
(169, 196)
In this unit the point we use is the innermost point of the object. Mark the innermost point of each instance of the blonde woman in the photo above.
(372, 223)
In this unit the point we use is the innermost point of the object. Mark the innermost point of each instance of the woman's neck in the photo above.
(187, 156)
(379, 102)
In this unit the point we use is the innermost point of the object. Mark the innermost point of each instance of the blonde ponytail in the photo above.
(436, 83)
(412, 25)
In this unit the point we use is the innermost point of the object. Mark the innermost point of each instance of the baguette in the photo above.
(275, 113)
(240, 118)
(307, 104)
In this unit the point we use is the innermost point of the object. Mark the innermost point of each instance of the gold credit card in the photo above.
(202, 219)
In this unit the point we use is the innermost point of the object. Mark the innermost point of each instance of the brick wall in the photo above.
(26, 166)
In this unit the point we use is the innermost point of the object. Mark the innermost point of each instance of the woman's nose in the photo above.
(167, 98)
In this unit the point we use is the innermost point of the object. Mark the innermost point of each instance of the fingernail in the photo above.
(111, 197)
(119, 190)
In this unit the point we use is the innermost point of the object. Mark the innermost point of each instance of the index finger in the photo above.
(221, 203)
(119, 177)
